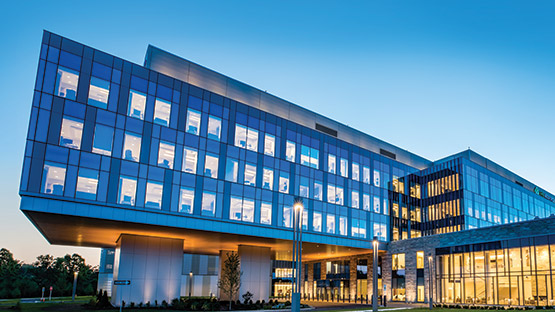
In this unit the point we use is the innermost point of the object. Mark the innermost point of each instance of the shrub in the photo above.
(140, 304)
(131, 304)
(147, 304)
(156, 303)
(123, 304)
(165, 304)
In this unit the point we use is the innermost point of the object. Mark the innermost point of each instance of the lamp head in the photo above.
(191, 273)
(298, 205)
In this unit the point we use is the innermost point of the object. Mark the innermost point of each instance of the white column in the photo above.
(256, 265)
(153, 265)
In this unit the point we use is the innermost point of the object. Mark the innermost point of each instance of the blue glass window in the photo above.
(231, 170)
(71, 133)
(266, 213)
(250, 174)
(162, 110)
(103, 137)
(208, 204)
(66, 83)
(193, 122)
(98, 92)
(269, 144)
(211, 166)
(87, 183)
(153, 196)
(317, 221)
(165, 154)
(268, 179)
(53, 178)
(214, 128)
(290, 151)
(187, 200)
(136, 105)
(189, 160)
(131, 147)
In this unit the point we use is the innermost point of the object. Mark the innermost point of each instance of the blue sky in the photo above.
(433, 77)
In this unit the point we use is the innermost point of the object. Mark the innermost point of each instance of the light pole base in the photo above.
(296, 302)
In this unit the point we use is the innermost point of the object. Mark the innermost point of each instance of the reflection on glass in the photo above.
(318, 190)
(131, 147)
(366, 202)
(331, 163)
(343, 167)
(214, 128)
(136, 104)
(366, 175)
(248, 210)
(303, 187)
(98, 92)
(153, 197)
(305, 155)
(342, 225)
(189, 160)
(72, 130)
(66, 83)
(102, 142)
(127, 190)
(193, 122)
(355, 199)
(208, 204)
(284, 182)
(287, 217)
(240, 136)
(53, 177)
(252, 140)
(162, 110)
(317, 221)
(231, 170)
(87, 182)
(330, 223)
(211, 166)
(187, 199)
(356, 173)
(165, 155)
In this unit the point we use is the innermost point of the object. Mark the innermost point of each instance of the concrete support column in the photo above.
(370, 289)
(256, 265)
(386, 274)
(353, 262)
(310, 279)
(152, 264)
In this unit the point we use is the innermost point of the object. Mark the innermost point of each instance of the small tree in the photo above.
(230, 280)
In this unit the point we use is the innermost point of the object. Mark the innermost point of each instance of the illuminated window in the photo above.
(342, 225)
(252, 140)
(398, 262)
(366, 202)
(102, 142)
(250, 174)
(419, 259)
(314, 158)
(153, 197)
(165, 155)
(317, 221)
(335, 194)
(127, 190)
(214, 128)
(187, 199)
(377, 204)
(366, 175)
(208, 204)
(376, 178)
(131, 147)
(87, 182)
(66, 83)
(189, 160)
(72, 130)
(211, 166)
(235, 208)
(246, 137)
(356, 173)
(162, 110)
(330, 223)
(269, 144)
(331, 163)
(248, 210)
(53, 178)
(268, 179)
(290, 151)
(136, 104)
(343, 168)
(98, 92)
(266, 213)
(193, 122)
(355, 200)
(284, 182)
(231, 170)
(318, 189)
(305, 155)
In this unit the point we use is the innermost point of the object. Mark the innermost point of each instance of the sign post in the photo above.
(42, 296)
(121, 283)
(50, 296)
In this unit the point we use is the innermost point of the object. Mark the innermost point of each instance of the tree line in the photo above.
(20, 280)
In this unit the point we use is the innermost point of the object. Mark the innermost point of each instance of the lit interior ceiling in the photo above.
(90, 232)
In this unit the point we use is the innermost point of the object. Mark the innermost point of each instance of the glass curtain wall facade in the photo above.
(510, 272)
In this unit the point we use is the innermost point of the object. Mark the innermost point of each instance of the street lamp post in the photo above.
(74, 284)
(190, 283)
(298, 208)
(431, 288)
(375, 245)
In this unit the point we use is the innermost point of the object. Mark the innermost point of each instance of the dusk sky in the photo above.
(432, 77)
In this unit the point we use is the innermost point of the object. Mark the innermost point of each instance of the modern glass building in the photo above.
(172, 159)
